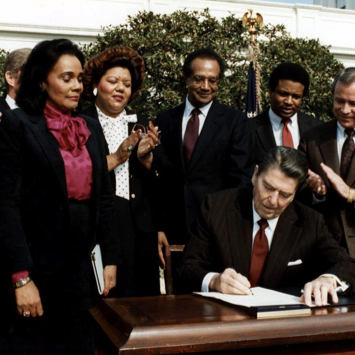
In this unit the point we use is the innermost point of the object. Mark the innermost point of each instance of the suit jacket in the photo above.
(320, 145)
(34, 210)
(222, 238)
(3, 104)
(219, 161)
(262, 138)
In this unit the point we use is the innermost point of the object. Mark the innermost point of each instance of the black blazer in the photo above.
(34, 211)
(222, 238)
(142, 183)
(3, 105)
(320, 145)
(219, 161)
(262, 137)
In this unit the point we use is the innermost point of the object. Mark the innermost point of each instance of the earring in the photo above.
(94, 91)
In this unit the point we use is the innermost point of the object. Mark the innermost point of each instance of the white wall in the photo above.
(25, 22)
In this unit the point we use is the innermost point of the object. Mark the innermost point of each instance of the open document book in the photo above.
(264, 303)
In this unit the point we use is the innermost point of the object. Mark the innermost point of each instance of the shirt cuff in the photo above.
(19, 275)
(339, 285)
(206, 281)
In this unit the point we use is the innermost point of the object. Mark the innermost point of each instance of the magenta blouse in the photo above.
(72, 133)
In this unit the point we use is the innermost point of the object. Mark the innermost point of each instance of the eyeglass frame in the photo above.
(198, 80)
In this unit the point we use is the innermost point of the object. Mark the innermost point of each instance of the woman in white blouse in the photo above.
(111, 80)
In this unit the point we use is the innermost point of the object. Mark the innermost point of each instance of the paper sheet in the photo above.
(261, 297)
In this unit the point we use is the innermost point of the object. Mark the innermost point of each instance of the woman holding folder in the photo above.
(112, 79)
(56, 203)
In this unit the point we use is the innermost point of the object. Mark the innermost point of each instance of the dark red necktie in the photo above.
(287, 140)
(260, 252)
(191, 135)
(347, 153)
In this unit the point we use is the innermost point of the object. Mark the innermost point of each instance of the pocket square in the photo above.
(293, 263)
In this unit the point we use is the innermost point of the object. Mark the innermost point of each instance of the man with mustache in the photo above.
(282, 124)
(260, 237)
(206, 144)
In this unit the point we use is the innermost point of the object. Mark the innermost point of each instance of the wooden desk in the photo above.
(192, 324)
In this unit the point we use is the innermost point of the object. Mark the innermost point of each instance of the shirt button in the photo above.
(133, 196)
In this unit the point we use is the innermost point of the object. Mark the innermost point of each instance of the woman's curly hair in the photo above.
(123, 57)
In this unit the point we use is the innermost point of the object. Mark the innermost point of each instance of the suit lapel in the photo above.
(328, 146)
(350, 179)
(50, 148)
(240, 229)
(91, 146)
(264, 131)
(213, 120)
(92, 112)
(283, 243)
(176, 133)
(303, 122)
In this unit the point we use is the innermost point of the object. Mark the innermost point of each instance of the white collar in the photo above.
(11, 102)
(276, 120)
(121, 117)
(341, 130)
(204, 110)
(272, 222)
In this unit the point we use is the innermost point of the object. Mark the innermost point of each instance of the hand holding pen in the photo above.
(230, 282)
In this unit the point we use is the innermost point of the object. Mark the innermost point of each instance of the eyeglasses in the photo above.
(198, 80)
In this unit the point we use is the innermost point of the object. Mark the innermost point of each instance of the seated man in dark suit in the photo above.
(12, 70)
(261, 237)
(282, 124)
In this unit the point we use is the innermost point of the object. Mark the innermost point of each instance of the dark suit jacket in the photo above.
(3, 105)
(141, 182)
(34, 211)
(262, 138)
(222, 238)
(320, 145)
(219, 161)
(139, 272)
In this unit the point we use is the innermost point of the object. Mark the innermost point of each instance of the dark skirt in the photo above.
(66, 326)
(138, 275)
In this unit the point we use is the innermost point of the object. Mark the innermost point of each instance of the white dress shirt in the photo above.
(11, 102)
(277, 127)
(187, 114)
(115, 132)
(269, 232)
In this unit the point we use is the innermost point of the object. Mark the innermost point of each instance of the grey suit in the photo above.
(262, 138)
(222, 238)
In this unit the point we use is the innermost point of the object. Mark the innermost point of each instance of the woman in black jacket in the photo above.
(111, 80)
(56, 203)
